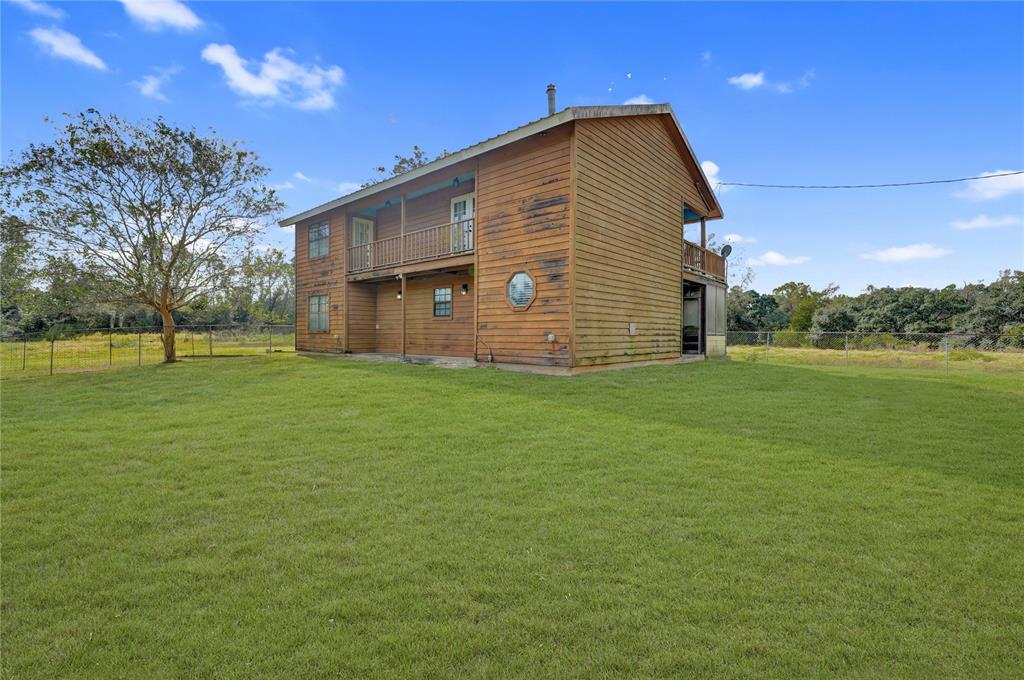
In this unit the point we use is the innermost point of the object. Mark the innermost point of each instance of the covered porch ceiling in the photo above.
(393, 198)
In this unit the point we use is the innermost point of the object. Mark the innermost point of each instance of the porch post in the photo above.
(403, 314)
(401, 239)
(703, 233)
(402, 261)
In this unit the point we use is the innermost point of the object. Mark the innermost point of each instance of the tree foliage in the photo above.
(973, 308)
(148, 213)
(404, 164)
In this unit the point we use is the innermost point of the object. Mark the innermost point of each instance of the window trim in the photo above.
(533, 292)
(326, 312)
(326, 240)
(451, 303)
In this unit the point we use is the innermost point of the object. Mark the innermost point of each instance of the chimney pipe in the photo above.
(551, 99)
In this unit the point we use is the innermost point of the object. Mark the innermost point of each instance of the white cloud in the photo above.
(985, 222)
(736, 238)
(349, 187)
(283, 186)
(917, 251)
(640, 99)
(711, 169)
(705, 56)
(748, 81)
(997, 187)
(776, 258)
(40, 8)
(301, 177)
(156, 14)
(288, 227)
(279, 78)
(151, 86)
(64, 45)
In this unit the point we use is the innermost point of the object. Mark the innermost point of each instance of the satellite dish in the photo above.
(726, 250)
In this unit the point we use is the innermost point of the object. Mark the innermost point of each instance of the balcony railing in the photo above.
(433, 243)
(703, 261)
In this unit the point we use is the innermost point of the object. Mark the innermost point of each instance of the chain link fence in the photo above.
(943, 351)
(93, 349)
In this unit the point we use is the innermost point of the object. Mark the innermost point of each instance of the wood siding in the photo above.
(426, 334)
(434, 208)
(389, 318)
(362, 317)
(321, 276)
(631, 183)
(522, 224)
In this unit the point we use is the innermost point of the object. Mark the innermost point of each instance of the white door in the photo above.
(362, 235)
(362, 231)
(463, 208)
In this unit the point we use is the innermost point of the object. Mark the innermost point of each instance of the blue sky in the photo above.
(773, 93)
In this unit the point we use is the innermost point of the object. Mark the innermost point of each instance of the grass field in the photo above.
(100, 351)
(303, 517)
(960, 359)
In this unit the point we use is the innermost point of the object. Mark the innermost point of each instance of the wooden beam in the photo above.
(345, 238)
(442, 264)
(476, 262)
(404, 296)
(703, 232)
(401, 231)
(682, 267)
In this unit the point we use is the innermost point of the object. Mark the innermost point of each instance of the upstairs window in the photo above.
(318, 237)
(443, 302)
(318, 313)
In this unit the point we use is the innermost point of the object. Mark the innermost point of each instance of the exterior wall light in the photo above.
(465, 288)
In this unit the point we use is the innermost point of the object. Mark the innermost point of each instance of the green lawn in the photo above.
(304, 517)
(100, 351)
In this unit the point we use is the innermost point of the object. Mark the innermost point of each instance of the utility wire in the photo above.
(866, 186)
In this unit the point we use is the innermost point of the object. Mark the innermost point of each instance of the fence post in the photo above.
(140, 349)
(270, 339)
(192, 332)
(51, 355)
(110, 349)
(209, 336)
(947, 353)
(847, 350)
(767, 346)
(24, 352)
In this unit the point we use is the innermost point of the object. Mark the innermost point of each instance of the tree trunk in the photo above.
(167, 336)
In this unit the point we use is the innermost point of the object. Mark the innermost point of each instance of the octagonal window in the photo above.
(520, 290)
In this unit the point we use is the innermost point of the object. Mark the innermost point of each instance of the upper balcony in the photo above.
(412, 225)
(703, 261)
(433, 243)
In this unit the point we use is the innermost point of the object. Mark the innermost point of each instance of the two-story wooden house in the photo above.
(559, 244)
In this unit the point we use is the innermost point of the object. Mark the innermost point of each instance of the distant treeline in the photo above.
(997, 307)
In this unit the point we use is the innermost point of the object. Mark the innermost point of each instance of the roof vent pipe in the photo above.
(551, 100)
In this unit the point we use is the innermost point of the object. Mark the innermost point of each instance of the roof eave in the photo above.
(537, 126)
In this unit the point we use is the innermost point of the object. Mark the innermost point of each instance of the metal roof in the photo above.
(522, 132)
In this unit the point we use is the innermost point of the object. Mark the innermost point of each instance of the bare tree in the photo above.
(160, 215)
